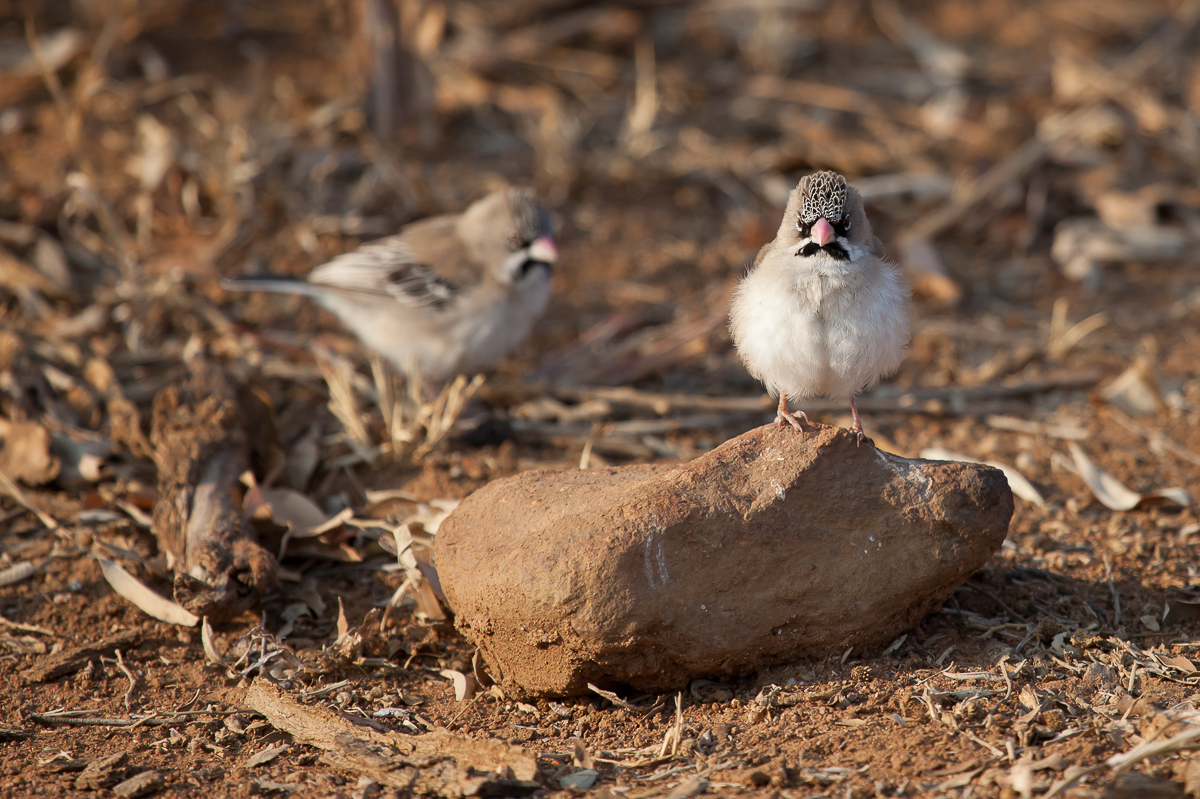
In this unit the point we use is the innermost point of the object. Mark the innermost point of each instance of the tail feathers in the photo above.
(277, 283)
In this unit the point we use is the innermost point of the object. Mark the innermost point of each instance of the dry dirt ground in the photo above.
(147, 149)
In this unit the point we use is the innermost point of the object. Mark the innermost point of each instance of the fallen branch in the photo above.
(439, 763)
(200, 449)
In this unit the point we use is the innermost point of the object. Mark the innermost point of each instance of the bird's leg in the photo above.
(857, 429)
(783, 416)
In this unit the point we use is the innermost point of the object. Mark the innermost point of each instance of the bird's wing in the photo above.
(436, 241)
(762, 253)
(876, 246)
(389, 270)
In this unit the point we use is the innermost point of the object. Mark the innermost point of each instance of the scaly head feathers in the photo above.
(845, 229)
(823, 194)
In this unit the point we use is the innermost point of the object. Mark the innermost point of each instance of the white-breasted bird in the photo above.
(452, 294)
(821, 313)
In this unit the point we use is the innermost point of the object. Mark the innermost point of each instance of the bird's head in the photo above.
(510, 233)
(825, 219)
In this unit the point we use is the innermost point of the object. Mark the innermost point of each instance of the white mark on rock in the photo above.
(910, 470)
(779, 490)
(649, 561)
(767, 452)
(655, 559)
(870, 538)
(704, 608)
(895, 462)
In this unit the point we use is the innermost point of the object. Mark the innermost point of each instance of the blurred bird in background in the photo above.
(448, 295)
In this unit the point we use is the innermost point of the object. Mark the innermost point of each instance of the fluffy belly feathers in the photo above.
(819, 338)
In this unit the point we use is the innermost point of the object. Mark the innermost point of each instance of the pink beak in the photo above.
(822, 232)
(543, 249)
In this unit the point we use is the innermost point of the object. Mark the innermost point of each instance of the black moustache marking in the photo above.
(834, 250)
(530, 264)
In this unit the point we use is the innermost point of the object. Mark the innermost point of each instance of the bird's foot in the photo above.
(859, 436)
(786, 417)
(856, 429)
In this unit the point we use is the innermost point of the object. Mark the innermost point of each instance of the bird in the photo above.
(447, 295)
(820, 312)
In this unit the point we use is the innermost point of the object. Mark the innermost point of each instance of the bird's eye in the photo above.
(846, 224)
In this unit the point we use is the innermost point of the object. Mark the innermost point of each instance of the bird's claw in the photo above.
(859, 437)
(786, 417)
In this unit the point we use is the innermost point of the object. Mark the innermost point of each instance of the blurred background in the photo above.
(1030, 165)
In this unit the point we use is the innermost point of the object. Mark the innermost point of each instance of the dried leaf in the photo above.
(961, 780)
(688, 788)
(267, 755)
(383, 495)
(137, 593)
(55, 49)
(332, 523)
(51, 260)
(21, 279)
(1136, 390)
(1111, 493)
(18, 572)
(210, 649)
(303, 458)
(25, 453)
(292, 508)
(343, 626)
(157, 153)
(464, 684)
(428, 605)
(1191, 777)
(25, 645)
(1177, 743)
(581, 780)
(1182, 663)
(289, 615)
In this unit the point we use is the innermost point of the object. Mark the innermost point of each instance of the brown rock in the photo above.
(774, 546)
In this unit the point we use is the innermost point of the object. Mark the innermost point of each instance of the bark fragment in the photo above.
(200, 448)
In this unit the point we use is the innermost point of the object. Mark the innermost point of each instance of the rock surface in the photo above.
(773, 547)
